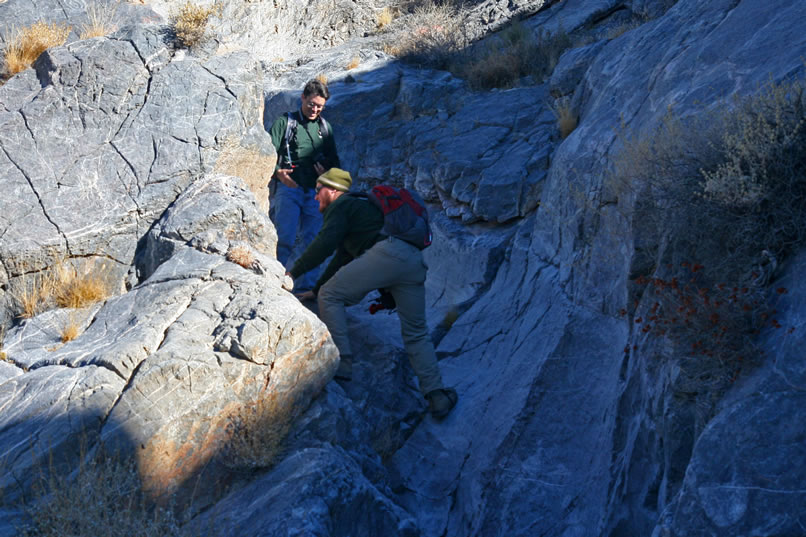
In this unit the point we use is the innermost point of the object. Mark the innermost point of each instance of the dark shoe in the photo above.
(441, 401)
(345, 370)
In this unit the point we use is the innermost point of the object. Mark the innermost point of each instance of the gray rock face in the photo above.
(115, 126)
(107, 151)
(558, 431)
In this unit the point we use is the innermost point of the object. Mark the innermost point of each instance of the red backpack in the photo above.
(404, 214)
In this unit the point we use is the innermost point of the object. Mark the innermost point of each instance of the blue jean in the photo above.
(296, 212)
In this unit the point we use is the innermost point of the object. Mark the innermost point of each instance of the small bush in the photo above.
(249, 164)
(257, 432)
(100, 20)
(190, 23)
(71, 329)
(24, 46)
(514, 54)
(430, 37)
(728, 188)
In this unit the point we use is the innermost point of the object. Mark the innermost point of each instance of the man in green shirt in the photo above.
(364, 260)
(305, 149)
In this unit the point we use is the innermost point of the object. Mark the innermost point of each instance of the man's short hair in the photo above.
(316, 87)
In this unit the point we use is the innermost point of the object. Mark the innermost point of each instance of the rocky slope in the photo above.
(112, 150)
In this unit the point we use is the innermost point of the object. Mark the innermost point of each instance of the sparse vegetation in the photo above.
(510, 56)
(100, 20)
(241, 255)
(257, 431)
(249, 164)
(103, 496)
(355, 62)
(71, 329)
(567, 118)
(24, 46)
(431, 36)
(384, 18)
(190, 23)
(726, 188)
(64, 286)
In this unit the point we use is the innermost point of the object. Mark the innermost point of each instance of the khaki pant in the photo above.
(398, 267)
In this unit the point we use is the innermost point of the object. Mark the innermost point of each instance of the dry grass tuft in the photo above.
(24, 46)
(241, 255)
(257, 431)
(384, 18)
(321, 77)
(567, 118)
(63, 286)
(355, 62)
(71, 329)
(101, 20)
(190, 23)
(74, 289)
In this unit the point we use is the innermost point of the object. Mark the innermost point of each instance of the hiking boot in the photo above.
(345, 370)
(441, 401)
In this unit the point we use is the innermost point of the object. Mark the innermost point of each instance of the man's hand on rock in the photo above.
(284, 176)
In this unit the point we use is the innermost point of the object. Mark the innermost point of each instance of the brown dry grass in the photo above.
(567, 118)
(384, 18)
(100, 20)
(103, 496)
(71, 329)
(190, 23)
(63, 286)
(24, 46)
(241, 255)
(355, 62)
(257, 431)
(431, 36)
(249, 164)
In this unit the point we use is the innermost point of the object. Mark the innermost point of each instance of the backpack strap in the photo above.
(290, 132)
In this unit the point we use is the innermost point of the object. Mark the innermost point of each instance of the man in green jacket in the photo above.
(364, 260)
(305, 149)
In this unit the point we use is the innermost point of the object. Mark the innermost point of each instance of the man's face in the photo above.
(312, 106)
(324, 195)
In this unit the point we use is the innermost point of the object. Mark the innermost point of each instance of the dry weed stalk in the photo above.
(100, 20)
(71, 329)
(24, 46)
(249, 164)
